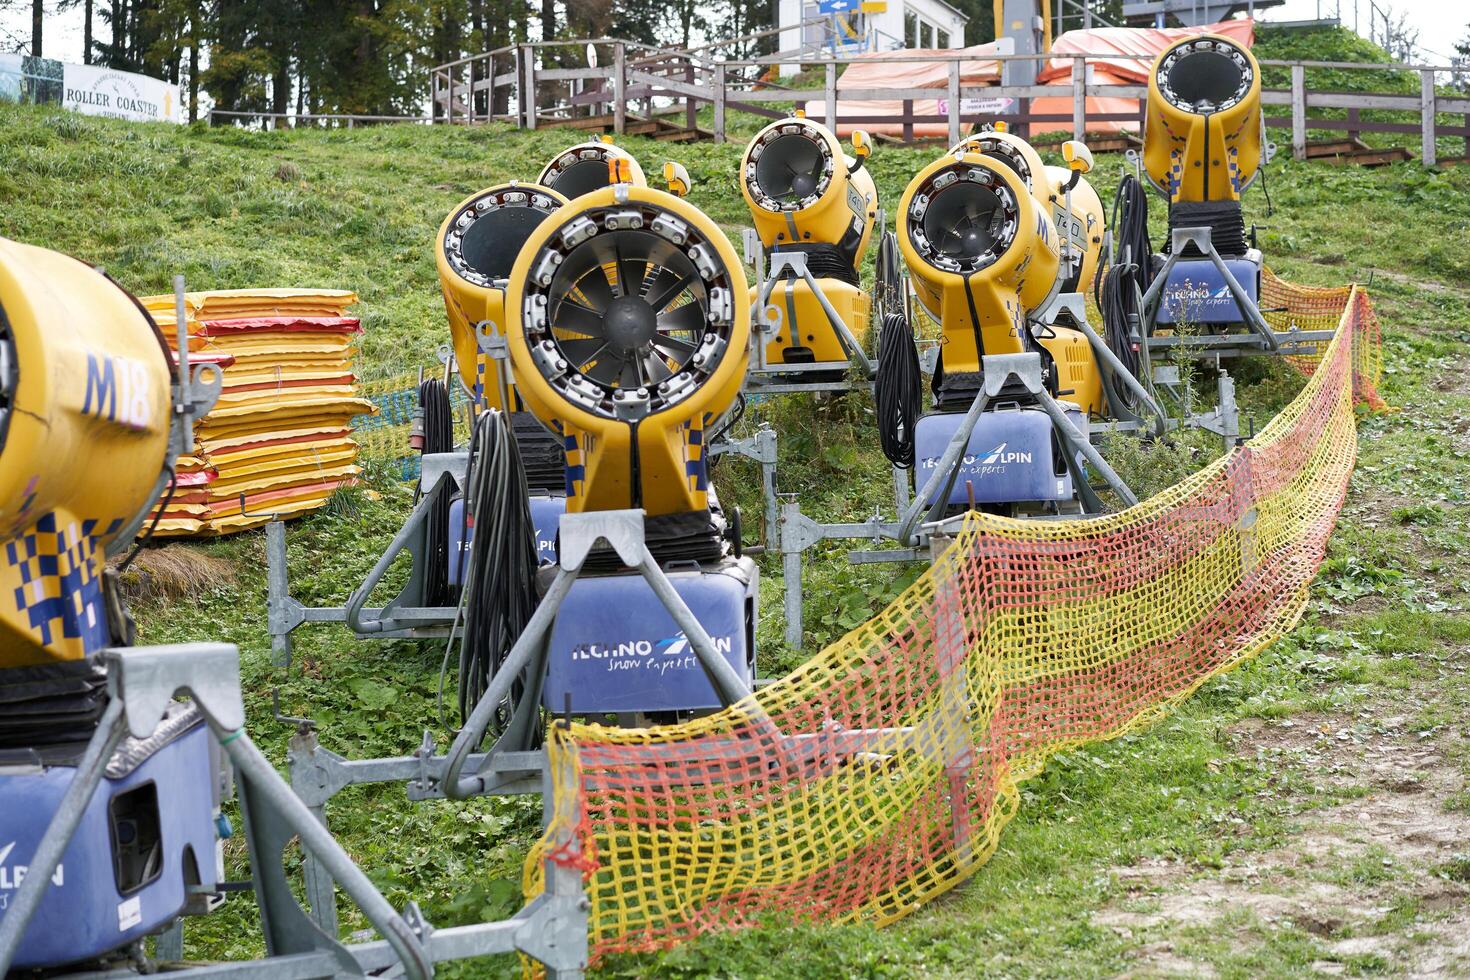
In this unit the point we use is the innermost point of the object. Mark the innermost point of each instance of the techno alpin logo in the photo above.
(12, 876)
(993, 462)
(1189, 292)
(672, 646)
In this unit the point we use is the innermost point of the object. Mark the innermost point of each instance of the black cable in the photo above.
(147, 536)
(898, 387)
(723, 426)
(438, 429)
(1118, 287)
(500, 581)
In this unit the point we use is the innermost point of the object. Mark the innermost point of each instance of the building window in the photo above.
(910, 30)
(943, 39)
(927, 35)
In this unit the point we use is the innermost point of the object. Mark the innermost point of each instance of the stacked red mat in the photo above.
(277, 443)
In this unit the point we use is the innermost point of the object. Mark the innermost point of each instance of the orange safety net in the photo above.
(1288, 306)
(881, 773)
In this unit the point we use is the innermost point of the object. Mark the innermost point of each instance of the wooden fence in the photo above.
(622, 86)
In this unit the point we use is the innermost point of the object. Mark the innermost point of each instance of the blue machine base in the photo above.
(85, 913)
(1011, 457)
(1195, 292)
(546, 514)
(615, 648)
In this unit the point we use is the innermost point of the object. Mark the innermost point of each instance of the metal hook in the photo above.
(303, 725)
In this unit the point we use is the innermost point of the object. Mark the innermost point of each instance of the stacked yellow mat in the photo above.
(277, 443)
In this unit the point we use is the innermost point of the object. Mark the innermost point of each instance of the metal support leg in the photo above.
(792, 265)
(1079, 442)
(321, 891)
(168, 947)
(1072, 302)
(948, 468)
(760, 447)
(1200, 238)
(727, 683)
(261, 786)
(278, 595)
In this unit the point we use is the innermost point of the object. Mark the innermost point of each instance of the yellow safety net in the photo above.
(882, 772)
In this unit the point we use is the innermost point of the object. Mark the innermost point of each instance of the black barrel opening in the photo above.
(1205, 77)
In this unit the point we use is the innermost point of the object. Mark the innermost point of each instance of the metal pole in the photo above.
(1079, 98)
(25, 899)
(717, 83)
(531, 98)
(278, 590)
(262, 778)
(620, 88)
(791, 572)
(830, 94)
(954, 102)
(1298, 112)
(1426, 116)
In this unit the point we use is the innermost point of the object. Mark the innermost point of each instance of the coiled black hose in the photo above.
(500, 581)
(898, 387)
(1119, 287)
(438, 428)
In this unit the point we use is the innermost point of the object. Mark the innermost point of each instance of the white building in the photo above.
(887, 25)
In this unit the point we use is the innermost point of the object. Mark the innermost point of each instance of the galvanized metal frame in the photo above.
(514, 764)
(911, 529)
(772, 270)
(1262, 337)
(142, 681)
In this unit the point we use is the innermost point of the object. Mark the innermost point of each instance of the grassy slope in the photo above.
(357, 209)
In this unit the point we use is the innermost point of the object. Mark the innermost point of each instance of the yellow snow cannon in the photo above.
(1082, 227)
(84, 427)
(589, 166)
(807, 196)
(1203, 131)
(476, 247)
(632, 337)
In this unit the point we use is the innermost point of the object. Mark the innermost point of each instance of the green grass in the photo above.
(358, 209)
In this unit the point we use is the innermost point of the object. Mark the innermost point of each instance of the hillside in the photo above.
(1216, 805)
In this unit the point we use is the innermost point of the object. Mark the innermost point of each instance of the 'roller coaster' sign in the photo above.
(88, 89)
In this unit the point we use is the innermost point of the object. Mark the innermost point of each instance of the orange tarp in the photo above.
(979, 69)
(1132, 49)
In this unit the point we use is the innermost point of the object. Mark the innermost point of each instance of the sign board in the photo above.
(837, 6)
(9, 78)
(979, 107)
(97, 91)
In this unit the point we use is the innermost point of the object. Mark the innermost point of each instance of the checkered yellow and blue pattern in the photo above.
(50, 582)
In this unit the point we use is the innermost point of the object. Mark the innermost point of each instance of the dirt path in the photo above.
(1373, 874)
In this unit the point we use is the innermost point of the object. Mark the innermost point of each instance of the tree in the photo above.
(38, 20)
(1461, 61)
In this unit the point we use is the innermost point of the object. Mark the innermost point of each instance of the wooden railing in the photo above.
(662, 91)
